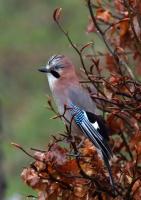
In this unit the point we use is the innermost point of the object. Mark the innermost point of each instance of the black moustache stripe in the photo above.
(55, 74)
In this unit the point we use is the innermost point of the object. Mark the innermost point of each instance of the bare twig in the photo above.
(132, 25)
(120, 60)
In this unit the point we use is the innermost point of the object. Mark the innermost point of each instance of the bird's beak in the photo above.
(44, 69)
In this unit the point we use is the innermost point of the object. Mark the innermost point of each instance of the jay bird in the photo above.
(67, 90)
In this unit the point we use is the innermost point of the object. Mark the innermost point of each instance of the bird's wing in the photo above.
(93, 128)
(96, 131)
(81, 98)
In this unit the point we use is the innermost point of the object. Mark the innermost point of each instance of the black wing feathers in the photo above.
(106, 151)
(101, 122)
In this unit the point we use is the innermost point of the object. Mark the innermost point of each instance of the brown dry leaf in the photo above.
(110, 63)
(70, 169)
(137, 66)
(53, 188)
(42, 195)
(136, 26)
(135, 124)
(46, 193)
(139, 6)
(104, 196)
(123, 27)
(114, 124)
(65, 195)
(128, 167)
(138, 148)
(88, 148)
(56, 155)
(129, 179)
(87, 167)
(136, 54)
(137, 187)
(135, 140)
(123, 41)
(90, 27)
(118, 5)
(70, 166)
(40, 165)
(52, 191)
(80, 191)
(118, 198)
(39, 156)
(114, 79)
(137, 155)
(138, 116)
(71, 196)
(31, 178)
(102, 14)
(108, 93)
(53, 196)
(112, 30)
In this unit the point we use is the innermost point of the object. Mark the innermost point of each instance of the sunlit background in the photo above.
(28, 37)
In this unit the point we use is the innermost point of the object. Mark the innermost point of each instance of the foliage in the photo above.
(79, 173)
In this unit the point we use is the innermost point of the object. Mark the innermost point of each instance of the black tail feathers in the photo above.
(106, 161)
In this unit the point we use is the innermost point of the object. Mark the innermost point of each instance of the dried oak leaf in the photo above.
(114, 124)
(116, 79)
(49, 192)
(40, 165)
(137, 66)
(104, 15)
(88, 148)
(135, 124)
(138, 148)
(136, 26)
(137, 155)
(137, 189)
(31, 178)
(118, 5)
(123, 40)
(123, 27)
(135, 140)
(139, 7)
(128, 168)
(56, 155)
(70, 169)
(110, 63)
(118, 198)
(90, 27)
(68, 195)
(80, 191)
(108, 90)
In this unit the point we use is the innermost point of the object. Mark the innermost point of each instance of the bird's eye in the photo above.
(56, 67)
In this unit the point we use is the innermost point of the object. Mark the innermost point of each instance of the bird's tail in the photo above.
(106, 161)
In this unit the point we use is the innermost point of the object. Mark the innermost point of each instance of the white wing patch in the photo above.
(95, 125)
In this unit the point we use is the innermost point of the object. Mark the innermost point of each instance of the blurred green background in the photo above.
(28, 37)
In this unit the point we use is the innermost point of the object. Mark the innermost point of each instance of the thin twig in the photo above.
(120, 60)
(132, 25)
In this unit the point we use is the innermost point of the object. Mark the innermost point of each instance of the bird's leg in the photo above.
(81, 143)
(78, 146)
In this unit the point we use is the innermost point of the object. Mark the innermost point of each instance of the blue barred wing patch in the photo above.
(79, 114)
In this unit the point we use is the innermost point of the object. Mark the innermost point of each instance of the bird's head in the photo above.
(57, 66)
